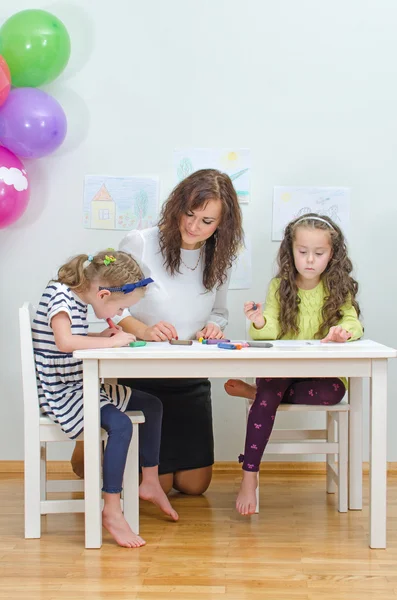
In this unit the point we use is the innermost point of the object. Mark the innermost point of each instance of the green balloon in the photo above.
(36, 47)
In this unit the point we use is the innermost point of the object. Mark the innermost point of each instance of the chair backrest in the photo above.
(29, 382)
(247, 329)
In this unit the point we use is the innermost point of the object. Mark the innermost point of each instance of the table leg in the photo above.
(92, 456)
(378, 454)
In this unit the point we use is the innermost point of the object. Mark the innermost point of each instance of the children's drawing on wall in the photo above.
(290, 202)
(241, 275)
(120, 202)
(235, 162)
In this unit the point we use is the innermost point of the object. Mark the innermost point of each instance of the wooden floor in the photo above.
(299, 547)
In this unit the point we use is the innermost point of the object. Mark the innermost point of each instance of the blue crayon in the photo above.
(228, 346)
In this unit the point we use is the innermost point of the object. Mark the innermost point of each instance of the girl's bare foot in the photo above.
(151, 490)
(236, 387)
(119, 529)
(246, 499)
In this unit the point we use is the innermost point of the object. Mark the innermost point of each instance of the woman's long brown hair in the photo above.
(222, 247)
(340, 287)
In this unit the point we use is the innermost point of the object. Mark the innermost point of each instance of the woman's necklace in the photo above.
(198, 260)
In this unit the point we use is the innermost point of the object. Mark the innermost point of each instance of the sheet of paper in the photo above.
(236, 162)
(291, 202)
(120, 202)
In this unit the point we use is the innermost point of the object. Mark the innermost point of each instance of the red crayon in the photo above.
(111, 324)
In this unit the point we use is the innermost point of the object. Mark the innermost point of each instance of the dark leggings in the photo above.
(119, 429)
(270, 393)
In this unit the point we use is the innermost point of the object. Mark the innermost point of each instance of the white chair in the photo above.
(333, 441)
(39, 430)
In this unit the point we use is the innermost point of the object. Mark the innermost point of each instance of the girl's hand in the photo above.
(161, 332)
(110, 331)
(254, 315)
(210, 332)
(337, 334)
(121, 338)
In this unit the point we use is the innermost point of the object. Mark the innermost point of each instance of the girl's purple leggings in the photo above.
(270, 394)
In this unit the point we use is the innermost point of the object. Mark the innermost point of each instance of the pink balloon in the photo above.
(14, 188)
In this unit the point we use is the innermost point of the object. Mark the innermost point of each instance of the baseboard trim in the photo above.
(302, 468)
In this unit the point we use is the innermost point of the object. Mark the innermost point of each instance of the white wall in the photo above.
(310, 86)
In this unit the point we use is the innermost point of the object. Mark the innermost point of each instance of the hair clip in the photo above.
(128, 287)
(87, 262)
(108, 259)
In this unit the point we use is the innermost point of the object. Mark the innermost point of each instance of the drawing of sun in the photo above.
(286, 197)
(230, 161)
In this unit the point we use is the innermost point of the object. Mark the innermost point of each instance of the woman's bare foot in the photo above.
(236, 387)
(119, 529)
(77, 460)
(246, 499)
(151, 490)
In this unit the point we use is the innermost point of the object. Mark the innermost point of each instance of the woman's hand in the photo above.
(337, 334)
(110, 331)
(121, 338)
(161, 332)
(255, 315)
(210, 332)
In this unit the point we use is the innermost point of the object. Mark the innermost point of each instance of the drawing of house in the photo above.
(103, 210)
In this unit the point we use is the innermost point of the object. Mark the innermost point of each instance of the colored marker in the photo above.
(254, 306)
(137, 344)
(213, 341)
(111, 324)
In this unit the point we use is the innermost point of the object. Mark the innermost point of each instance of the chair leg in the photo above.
(257, 497)
(343, 442)
(43, 471)
(331, 464)
(32, 481)
(131, 482)
(355, 444)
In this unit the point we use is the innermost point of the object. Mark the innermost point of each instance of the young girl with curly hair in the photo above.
(312, 297)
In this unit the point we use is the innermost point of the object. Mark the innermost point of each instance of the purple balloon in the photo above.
(32, 123)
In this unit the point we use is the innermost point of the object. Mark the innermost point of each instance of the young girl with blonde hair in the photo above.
(110, 282)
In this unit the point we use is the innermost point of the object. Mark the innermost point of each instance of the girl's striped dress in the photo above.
(59, 375)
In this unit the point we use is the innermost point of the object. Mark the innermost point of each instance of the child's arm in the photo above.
(67, 342)
(350, 322)
(269, 319)
(349, 327)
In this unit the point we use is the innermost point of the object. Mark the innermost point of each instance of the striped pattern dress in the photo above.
(59, 375)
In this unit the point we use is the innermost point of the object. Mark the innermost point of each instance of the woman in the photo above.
(189, 255)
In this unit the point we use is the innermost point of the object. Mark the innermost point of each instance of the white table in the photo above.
(355, 360)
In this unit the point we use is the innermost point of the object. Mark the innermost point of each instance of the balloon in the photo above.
(32, 123)
(5, 80)
(36, 46)
(14, 188)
